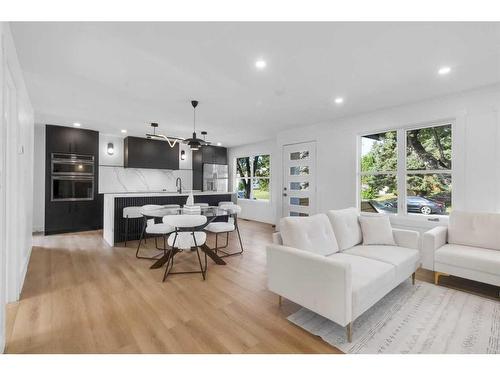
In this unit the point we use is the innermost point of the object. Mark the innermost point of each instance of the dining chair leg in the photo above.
(216, 244)
(169, 264)
(226, 254)
(126, 230)
(203, 271)
(199, 261)
(239, 237)
(140, 240)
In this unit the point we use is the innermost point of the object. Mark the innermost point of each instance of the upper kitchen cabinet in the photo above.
(214, 155)
(150, 153)
(70, 140)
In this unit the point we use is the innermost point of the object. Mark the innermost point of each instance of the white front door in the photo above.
(299, 179)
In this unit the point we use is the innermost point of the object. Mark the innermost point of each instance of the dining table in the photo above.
(210, 212)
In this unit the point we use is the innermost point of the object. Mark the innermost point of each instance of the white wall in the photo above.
(39, 179)
(251, 209)
(16, 178)
(476, 149)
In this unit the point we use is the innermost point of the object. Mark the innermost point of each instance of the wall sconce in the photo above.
(111, 149)
(183, 155)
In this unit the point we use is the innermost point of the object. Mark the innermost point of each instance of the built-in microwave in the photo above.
(72, 164)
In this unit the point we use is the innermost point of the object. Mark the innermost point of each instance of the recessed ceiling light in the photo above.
(219, 144)
(124, 131)
(77, 124)
(260, 64)
(339, 100)
(444, 70)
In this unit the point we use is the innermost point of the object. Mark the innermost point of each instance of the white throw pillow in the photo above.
(377, 230)
(312, 233)
(346, 227)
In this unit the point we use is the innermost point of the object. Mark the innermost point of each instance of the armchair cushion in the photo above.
(312, 233)
(474, 229)
(468, 257)
(346, 227)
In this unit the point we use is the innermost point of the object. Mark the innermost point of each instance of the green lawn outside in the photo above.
(261, 194)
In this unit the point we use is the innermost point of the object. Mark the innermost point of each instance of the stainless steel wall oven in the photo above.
(72, 177)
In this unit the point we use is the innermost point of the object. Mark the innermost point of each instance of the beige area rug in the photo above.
(421, 318)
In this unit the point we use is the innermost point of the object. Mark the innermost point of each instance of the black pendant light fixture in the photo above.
(194, 142)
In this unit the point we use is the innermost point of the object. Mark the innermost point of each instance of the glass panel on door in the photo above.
(299, 170)
(299, 185)
(299, 155)
(296, 201)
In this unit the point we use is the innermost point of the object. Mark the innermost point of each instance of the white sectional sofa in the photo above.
(320, 262)
(469, 247)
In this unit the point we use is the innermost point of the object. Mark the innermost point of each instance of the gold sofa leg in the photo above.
(413, 278)
(437, 275)
(349, 332)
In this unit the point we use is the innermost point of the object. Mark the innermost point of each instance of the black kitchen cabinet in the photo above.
(71, 140)
(150, 153)
(214, 155)
(66, 215)
(197, 170)
(220, 155)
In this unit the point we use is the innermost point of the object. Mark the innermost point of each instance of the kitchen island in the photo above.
(114, 223)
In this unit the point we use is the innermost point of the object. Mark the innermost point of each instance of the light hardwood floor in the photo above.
(82, 296)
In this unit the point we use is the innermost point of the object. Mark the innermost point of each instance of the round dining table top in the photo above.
(208, 211)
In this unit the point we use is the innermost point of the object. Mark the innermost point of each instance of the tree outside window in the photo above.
(253, 177)
(426, 171)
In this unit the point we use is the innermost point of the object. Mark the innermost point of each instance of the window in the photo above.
(253, 174)
(421, 176)
(379, 172)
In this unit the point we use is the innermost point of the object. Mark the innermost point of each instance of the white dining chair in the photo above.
(155, 229)
(131, 212)
(221, 227)
(185, 238)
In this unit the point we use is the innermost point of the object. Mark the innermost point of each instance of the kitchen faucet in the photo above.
(179, 185)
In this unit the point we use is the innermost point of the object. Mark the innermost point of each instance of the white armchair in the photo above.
(469, 247)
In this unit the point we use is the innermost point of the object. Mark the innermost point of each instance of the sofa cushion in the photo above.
(403, 259)
(346, 227)
(474, 258)
(371, 280)
(474, 229)
(312, 233)
(376, 230)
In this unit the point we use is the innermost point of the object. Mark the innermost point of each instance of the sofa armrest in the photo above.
(431, 241)
(316, 282)
(406, 238)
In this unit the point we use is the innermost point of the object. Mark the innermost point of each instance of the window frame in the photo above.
(252, 178)
(401, 171)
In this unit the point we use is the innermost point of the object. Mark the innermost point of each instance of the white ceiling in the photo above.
(112, 76)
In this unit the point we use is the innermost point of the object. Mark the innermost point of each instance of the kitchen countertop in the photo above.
(160, 193)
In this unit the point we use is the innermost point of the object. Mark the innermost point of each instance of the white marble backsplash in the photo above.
(122, 180)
